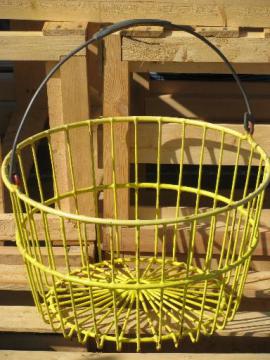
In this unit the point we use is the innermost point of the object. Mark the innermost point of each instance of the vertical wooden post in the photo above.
(116, 102)
(68, 100)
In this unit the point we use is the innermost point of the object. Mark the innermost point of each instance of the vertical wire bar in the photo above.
(180, 177)
(244, 195)
(158, 186)
(193, 231)
(258, 178)
(136, 166)
(36, 166)
(113, 290)
(97, 335)
(233, 286)
(162, 280)
(47, 232)
(63, 231)
(74, 191)
(260, 198)
(115, 198)
(235, 169)
(137, 239)
(194, 223)
(231, 196)
(138, 245)
(209, 250)
(73, 304)
(246, 230)
(98, 232)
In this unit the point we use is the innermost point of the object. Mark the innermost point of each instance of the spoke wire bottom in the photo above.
(132, 315)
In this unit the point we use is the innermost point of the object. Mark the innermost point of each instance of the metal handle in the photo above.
(248, 118)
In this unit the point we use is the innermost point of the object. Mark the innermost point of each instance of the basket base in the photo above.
(132, 315)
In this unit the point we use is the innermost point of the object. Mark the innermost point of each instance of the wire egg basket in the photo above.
(146, 282)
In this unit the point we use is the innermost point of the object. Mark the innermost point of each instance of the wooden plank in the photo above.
(197, 12)
(10, 255)
(198, 67)
(206, 85)
(116, 103)
(46, 355)
(14, 278)
(127, 238)
(182, 47)
(7, 228)
(170, 144)
(218, 31)
(36, 46)
(26, 319)
(211, 108)
(68, 98)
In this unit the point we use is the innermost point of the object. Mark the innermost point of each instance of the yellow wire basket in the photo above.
(159, 289)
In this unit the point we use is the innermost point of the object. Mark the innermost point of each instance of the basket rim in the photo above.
(139, 222)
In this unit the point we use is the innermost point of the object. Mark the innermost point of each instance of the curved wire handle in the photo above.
(248, 118)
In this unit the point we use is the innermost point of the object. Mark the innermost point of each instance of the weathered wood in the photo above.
(211, 108)
(14, 278)
(182, 47)
(210, 87)
(10, 255)
(7, 228)
(116, 103)
(46, 355)
(34, 46)
(127, 235)
(197, 12)
(218, 32)
(198, 67)
(170, 144)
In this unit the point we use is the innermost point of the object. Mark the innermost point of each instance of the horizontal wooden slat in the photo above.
(10, 255)
(7, 228)
(14, 278)
(198, 67)
(26, 319)
(170, 144)
(182, 47)
(210, 86)
(46, 355)
(211, 108)
(127, 239)
(197, 12)
(34, 45)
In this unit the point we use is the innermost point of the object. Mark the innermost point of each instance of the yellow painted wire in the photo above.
(139, 297)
